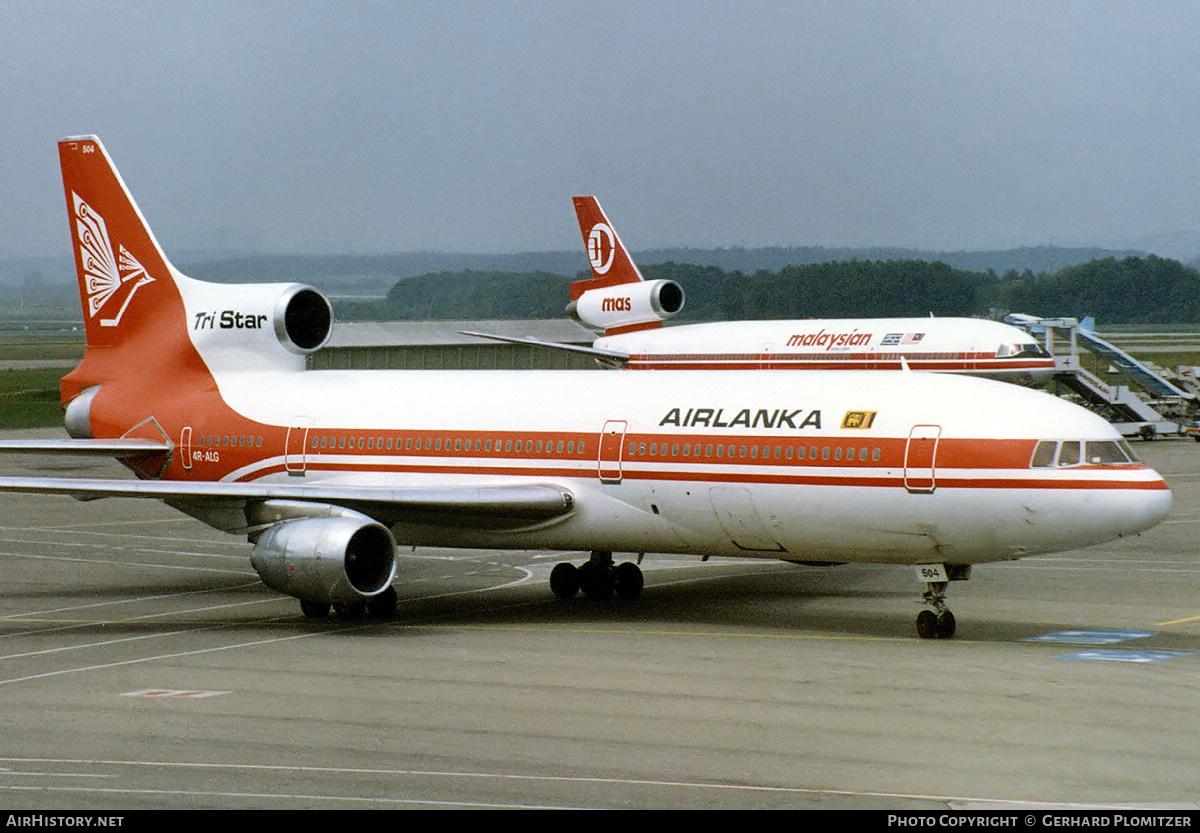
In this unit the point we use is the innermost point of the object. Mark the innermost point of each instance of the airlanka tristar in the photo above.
(201, 389)
(631, 311)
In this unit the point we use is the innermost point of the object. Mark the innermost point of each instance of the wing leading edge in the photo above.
(484, 507)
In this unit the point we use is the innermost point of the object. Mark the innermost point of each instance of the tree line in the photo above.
(1116, 291)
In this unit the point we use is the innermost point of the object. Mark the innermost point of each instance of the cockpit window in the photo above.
(1021, 351)
(1043, 455)
(1098, 453)
(1074, 453)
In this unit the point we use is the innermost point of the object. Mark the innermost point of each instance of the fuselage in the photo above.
(953, 345)
(888, 467)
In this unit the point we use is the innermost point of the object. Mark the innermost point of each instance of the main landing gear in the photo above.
(382, 606)
(939, 622)
(598, 578)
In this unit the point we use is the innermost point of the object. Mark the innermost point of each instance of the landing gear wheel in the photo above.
(564, 580)
(927, 627)
(945, 625)
(627, 581)
(350, 611)
(383, 606)
(314, 610)
(596, 581)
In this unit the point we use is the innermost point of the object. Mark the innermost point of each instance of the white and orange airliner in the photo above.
(631, 311)
(201, 390)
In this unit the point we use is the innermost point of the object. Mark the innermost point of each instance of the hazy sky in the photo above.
(374, 127)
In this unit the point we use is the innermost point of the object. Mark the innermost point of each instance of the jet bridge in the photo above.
(1145, 405)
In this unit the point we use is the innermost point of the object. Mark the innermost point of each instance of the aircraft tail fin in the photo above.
(133, 313)
(616, 297)
(610, 260)
(151, 330)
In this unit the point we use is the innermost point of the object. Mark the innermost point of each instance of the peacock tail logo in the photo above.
(108, 275)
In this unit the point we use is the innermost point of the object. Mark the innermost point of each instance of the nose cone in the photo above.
(1156, 504)
(1138, 501)
(1138, 509)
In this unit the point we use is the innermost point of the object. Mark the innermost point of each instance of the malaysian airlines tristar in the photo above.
(630, 311)
(201, 390)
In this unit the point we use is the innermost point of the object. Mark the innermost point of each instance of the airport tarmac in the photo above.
(143, 665)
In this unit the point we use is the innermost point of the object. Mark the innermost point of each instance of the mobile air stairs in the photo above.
(1146, 406)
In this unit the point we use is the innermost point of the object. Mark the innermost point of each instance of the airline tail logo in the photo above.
(601, 248)
(105, 271)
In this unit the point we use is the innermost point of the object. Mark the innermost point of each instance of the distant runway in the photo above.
(143, 665)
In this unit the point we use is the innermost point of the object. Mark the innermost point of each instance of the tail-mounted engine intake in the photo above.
(339, 560)
(303, 319)
(257, 326)
(628, 305)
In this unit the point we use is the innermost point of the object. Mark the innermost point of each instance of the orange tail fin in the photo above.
(133, 313)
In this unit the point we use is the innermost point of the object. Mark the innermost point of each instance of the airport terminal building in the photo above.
(442, 345)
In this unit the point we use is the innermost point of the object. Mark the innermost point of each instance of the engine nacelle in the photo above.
(257, 326)
(628, 304)
(339, 559)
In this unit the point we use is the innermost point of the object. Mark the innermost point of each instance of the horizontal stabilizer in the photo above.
(118, 448)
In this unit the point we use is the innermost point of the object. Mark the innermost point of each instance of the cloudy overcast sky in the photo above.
(374, 127)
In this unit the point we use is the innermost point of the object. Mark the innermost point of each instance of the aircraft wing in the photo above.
(479, 507)
(612, 356)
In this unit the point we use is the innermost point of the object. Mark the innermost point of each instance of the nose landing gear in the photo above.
(938, 622)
